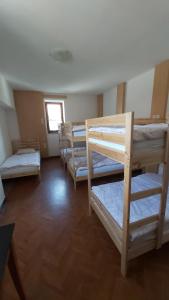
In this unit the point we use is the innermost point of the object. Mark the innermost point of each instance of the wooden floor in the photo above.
(63, 254)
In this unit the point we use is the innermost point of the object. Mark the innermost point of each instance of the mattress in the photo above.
(22, 163)
(144, 136)
(101, 165)
(96, 171)
(78, 128)
(110, 199)
(138, 147)
(19, 171)
(79, 133)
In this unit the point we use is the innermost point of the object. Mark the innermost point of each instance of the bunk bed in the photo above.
(76, 157)
(25, 160)
(70, 135)
(135, 212)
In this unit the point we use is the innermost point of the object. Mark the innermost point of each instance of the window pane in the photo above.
(53, 126)
(54, 115)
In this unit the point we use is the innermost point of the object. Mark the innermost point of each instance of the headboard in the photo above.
(19, 144)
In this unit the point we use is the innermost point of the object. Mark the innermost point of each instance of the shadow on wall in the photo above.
(5, 144)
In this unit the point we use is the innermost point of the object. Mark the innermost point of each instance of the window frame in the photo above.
(47, 115)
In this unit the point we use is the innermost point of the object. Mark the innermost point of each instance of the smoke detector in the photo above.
(61, 55)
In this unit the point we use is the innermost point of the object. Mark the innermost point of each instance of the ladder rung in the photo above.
(144, 221)
(146, 193)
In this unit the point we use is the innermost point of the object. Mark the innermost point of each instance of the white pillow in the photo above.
(25, 151)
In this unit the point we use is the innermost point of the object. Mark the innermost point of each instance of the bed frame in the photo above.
(67, 139)
(68, 131)
(73, 173)
(120, 236)
(18, 144)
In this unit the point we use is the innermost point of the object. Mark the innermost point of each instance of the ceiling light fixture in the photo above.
(61, 55)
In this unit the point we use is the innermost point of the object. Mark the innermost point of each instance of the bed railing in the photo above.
(68, 129)
(125, 156)
(21, 144)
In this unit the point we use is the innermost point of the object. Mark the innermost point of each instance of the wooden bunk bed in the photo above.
(21, 165)
(69, 136)
(75, 132)
(133, 235)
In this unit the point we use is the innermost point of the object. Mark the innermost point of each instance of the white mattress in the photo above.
(141, 146)
(96, 171)
(101, 165)
(110, 197)
(140, 132)
(144, 136)
(78, 128)
(21, 163)
(79, 133)
(19, 170)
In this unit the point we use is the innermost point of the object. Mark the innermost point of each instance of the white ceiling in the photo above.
(111, 41)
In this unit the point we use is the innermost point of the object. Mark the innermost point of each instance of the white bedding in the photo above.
(79, 133)
(78, 128)
(140, 132)
(141, 146)
(23, 160)
(110, 197)
(114, 168)
(19, 171)
(101, 164)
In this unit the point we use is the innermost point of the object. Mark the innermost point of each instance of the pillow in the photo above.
(25, 151)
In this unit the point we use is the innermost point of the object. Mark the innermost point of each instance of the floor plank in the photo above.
(64, 254)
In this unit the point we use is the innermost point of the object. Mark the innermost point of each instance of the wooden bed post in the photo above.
(163, 198)
(127, 190)
(90, 168)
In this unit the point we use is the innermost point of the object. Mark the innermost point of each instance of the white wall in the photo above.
(6, 94)
(13, 126)
(80, 107)
(5, 144)
(139, 94)
(109, 102)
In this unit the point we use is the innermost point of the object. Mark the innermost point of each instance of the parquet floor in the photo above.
(63, 254)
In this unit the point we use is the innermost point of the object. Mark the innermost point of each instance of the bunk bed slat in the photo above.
(110, 120)
(116, 138)
(114, 155)
(145, 221)
(146, 193)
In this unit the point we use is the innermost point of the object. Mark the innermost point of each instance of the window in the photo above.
(54, 115)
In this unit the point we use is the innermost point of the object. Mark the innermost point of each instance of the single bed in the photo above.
(24, 162)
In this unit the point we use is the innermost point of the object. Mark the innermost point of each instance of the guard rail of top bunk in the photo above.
(69, 130)
(124, 154)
